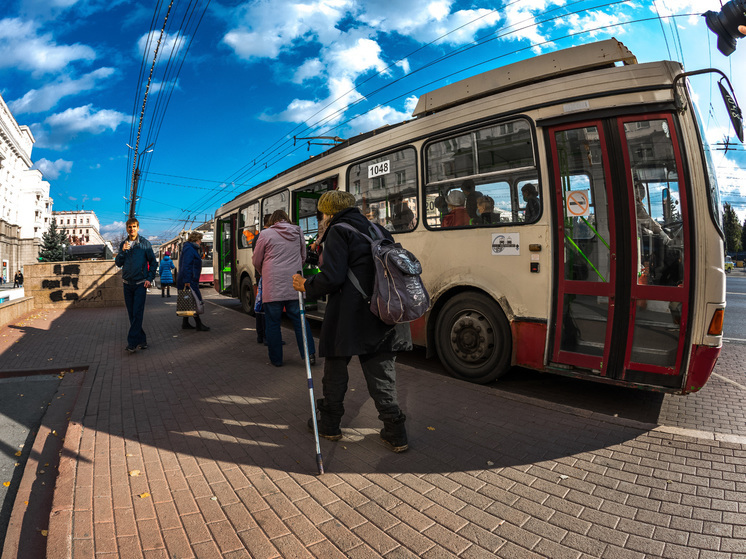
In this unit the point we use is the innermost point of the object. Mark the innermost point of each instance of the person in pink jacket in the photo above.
(280, 253)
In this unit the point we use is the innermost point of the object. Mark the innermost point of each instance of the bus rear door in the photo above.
(224, 268)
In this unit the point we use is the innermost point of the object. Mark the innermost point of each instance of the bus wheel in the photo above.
(247, 296)
(473, 338)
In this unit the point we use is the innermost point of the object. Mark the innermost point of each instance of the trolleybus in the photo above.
(585, 235)
(174, 247)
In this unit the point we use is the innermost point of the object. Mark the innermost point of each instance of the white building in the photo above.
(82, 225)
(25, 205)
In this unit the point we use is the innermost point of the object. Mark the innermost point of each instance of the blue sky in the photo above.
(256, 73)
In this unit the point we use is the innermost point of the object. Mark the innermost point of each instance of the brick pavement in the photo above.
(227, 467)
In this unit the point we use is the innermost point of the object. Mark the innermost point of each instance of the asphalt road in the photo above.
(734, 325)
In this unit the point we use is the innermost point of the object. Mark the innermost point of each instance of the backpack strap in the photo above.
(350, 275)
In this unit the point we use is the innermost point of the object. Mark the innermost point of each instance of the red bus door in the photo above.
(623, 258)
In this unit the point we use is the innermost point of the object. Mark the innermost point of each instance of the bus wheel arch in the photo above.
(246, 294)
(472, 336)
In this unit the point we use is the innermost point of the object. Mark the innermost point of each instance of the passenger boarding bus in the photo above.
(174, 246)
(565, 211)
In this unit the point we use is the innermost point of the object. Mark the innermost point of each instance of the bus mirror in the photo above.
(734, 111)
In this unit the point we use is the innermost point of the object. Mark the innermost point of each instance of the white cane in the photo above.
(319, 461)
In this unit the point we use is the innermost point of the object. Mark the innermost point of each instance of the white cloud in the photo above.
(171, 45)
(380, 116)
(53, 169)
(57, 131)
(85, 119)
(311, 68)
(47, 97)
(591, 22)
(321, 112)
(22, 47)
(113, 228)
(95, 199)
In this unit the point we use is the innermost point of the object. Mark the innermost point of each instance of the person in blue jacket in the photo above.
(190, 268)
(167, 277)
(138, 264)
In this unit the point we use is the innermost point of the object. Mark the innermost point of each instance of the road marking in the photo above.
(738, 384)
(734, 293)
(733, 340)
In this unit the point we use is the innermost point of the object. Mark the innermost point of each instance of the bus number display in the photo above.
(378, 169)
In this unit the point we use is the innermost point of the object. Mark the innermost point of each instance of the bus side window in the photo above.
(248, 225)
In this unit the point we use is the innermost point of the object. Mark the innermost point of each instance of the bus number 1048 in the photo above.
(382, 168)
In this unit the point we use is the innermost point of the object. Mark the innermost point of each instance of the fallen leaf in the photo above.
(144, 495)
(213, 498)
(134, 473)
(6, 484)
(431, 428)
(18, 452)
(563, 476)
(490, 463)
(45, 533)
(41, 471)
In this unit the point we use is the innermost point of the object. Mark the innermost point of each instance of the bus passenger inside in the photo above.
(472, 195)
(533, 206)
(457, 215)
(402, 216)
(658, 261)
(486, 212)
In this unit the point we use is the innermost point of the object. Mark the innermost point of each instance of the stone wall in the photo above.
(11, 310)
(84, 284)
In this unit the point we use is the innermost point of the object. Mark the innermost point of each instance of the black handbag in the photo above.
(186, 303)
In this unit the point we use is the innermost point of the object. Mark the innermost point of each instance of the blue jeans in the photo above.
(134, 300)
(273, 317)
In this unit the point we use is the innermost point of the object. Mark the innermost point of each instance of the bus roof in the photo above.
(574, 60)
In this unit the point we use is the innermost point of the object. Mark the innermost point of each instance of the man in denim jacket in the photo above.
(139, 266)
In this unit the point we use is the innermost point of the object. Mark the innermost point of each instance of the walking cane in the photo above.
(301, 303)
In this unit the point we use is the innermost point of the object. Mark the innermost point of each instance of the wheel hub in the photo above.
(472, 338)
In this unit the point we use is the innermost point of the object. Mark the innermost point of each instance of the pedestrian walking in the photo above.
(137, 261)
(261, 330)
(190, 268)
(18, 279)
(279, 253)
(350, 328)
(166, 274)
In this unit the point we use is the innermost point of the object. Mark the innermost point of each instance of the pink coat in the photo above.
(279, 253)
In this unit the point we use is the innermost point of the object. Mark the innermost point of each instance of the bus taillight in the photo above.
(716, 324)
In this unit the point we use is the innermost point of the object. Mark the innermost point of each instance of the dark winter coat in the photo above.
(190, 267)
(349, 327)
(138, 263)
(167, 277)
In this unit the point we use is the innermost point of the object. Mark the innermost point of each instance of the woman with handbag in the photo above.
(190, 268)
(279, 253)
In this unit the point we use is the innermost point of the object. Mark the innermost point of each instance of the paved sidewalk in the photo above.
(197, 447)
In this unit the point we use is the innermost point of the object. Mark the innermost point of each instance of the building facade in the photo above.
(25, 204)
(82, 227)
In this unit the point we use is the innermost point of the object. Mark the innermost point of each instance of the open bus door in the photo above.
(224, 253)
(622, 264)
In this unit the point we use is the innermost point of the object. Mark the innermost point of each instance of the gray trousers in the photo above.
(380, 376)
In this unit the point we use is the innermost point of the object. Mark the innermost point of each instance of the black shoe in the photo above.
(259, 340)
(202, 328)
(130, 349)
(187, 326)
(276, 364)
(162, 295)
(142, 346)
(312, 358)
(394, 433)
(326, 432)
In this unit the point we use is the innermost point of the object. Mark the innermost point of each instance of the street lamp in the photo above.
(136, 176)
(64, 247)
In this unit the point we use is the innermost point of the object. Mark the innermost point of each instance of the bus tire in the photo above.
(247, 296)
(473, 338)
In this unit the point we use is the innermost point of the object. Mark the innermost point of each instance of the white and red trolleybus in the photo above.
(590, 241)
(174, 246)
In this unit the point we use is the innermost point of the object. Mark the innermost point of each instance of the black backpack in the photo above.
(398, 292)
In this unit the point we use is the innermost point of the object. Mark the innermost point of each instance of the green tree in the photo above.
(51, 244)
(743, 235)
(732, 229)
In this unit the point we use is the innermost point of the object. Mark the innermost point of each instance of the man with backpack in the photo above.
(349, 327)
